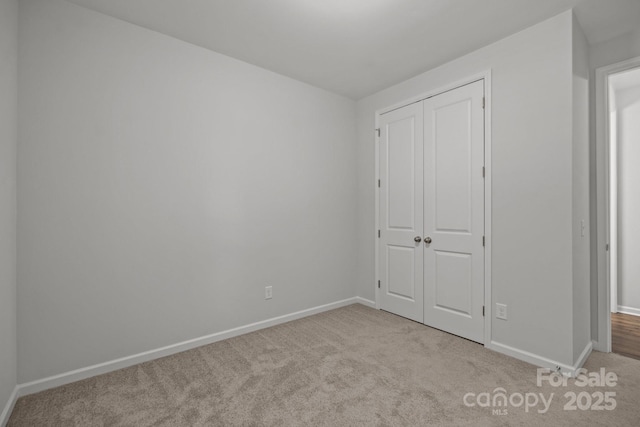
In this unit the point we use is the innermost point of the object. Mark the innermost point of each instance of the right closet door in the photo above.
(453, 256)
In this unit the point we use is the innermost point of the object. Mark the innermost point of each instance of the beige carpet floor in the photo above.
(350, 366)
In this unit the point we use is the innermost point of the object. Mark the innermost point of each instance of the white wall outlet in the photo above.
(501, 311)
(268, 292)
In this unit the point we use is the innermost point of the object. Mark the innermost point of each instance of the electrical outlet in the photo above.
(501, 311)
(268, 292)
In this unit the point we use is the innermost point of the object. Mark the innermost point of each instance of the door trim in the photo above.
(603, 222)
(486, 77)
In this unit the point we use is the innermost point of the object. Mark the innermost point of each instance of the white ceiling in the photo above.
(358, 47)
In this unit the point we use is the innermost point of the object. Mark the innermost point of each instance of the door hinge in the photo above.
(378, 131)
(483, 102)
(483, 240)
(378, 234)
(378, 183)
(378, 284)
(483, 311)
(483, 172)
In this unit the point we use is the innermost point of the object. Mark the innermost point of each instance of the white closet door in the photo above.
(401, 212)
(454, 211)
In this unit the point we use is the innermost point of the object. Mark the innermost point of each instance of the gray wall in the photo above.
(8, 140)
(163, 186)
(532, 182)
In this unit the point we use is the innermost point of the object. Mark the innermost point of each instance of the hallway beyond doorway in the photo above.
(625, 334)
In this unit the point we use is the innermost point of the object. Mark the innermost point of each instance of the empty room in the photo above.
(306, 212)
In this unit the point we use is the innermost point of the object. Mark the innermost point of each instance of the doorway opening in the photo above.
(618, 154)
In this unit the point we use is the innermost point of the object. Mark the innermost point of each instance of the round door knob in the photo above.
(427, 240)
(417, 239)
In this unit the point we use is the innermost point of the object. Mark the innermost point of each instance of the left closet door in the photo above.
(401, 212)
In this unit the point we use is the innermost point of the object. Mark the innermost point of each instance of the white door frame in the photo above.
(486, 76)
(603, 199)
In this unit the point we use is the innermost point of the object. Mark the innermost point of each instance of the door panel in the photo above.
(401, 265)
(452, 145)
(453, 282)
(454, 211)
(401, 147)
(401, 212)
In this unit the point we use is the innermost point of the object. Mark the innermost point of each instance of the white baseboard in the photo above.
(366, 302)
(6, 412)
(583, 356)
(599, 346)
(113, 365)
(541, 361)
(628, 310)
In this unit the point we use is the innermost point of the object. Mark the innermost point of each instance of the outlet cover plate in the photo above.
(501, 311)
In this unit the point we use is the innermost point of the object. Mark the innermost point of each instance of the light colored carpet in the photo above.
(350, 366)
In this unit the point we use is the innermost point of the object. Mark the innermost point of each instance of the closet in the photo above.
(431, 242)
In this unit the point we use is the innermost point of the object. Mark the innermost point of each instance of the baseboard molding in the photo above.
(599, 346)
(541, 361)
(8, 408)
(628, 310)
(366, 302)
(102, 368)
(583, 356)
